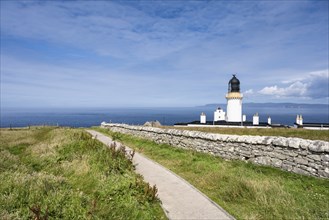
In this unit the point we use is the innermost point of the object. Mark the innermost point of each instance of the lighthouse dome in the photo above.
(234, 84)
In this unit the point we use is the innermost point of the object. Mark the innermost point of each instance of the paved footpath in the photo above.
(180, 200)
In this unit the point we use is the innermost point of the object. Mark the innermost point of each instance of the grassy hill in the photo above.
(62, 173)
(245, 190)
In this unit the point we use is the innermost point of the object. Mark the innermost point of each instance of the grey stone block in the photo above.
(315, 166)
(262, 160)
(300, 171)
(325, 157)
(290, 153)
(277, 155)
(267, 140)
(294, 143)
(257, 153)
(300, 160)
(319, 146)
(276, 162)
(324, 173)
(311, 170)
(286, 167)
(280, 141)
(314, 157)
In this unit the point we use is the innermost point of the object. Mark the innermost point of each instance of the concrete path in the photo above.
(180, 200)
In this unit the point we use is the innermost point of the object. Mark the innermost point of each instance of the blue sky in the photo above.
(162, 53)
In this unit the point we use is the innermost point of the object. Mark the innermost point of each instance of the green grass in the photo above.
(245, 190)
(62, 173)
(284, 132)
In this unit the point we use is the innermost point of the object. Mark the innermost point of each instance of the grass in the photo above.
(284, 132)
(62, 173)
(245, 190)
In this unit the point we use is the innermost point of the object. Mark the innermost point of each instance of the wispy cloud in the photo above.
(90, 85)
(182, 51)
(154, 30)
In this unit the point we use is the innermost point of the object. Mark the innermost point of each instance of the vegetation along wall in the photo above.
(292, 154)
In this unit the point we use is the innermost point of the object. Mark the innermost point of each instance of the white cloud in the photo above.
(190, 46)
(146, 31)
(249, 91)
(26, 83)
(314, 85)
(106, 28)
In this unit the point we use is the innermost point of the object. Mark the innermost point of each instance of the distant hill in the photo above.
(273, 105)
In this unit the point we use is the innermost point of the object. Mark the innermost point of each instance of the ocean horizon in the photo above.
(282, 113)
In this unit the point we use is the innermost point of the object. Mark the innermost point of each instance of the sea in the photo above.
(283, 113)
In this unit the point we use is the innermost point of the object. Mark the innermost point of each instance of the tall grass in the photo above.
(49, 173)
(245, 190)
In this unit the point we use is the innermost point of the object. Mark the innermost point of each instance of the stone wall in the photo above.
(292, 154)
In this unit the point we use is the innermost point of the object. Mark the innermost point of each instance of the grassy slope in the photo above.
(284, 132)
(65, 174)
(245, 190)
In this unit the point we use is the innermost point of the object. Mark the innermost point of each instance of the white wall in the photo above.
(203, 119)
(234, 110)
(255, 120)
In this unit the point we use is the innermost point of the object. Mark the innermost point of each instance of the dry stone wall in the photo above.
(292, 154)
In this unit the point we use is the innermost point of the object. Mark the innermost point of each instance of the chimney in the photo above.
(255, 119)
(269, 120)
(203, 118)
(300, 120)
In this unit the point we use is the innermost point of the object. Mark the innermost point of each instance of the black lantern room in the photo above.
(234, 85)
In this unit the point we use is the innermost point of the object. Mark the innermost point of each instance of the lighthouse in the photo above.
(234, 101)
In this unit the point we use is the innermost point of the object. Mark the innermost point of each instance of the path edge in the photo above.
(181, 178)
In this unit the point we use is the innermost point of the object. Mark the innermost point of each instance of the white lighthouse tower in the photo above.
(234, 101)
